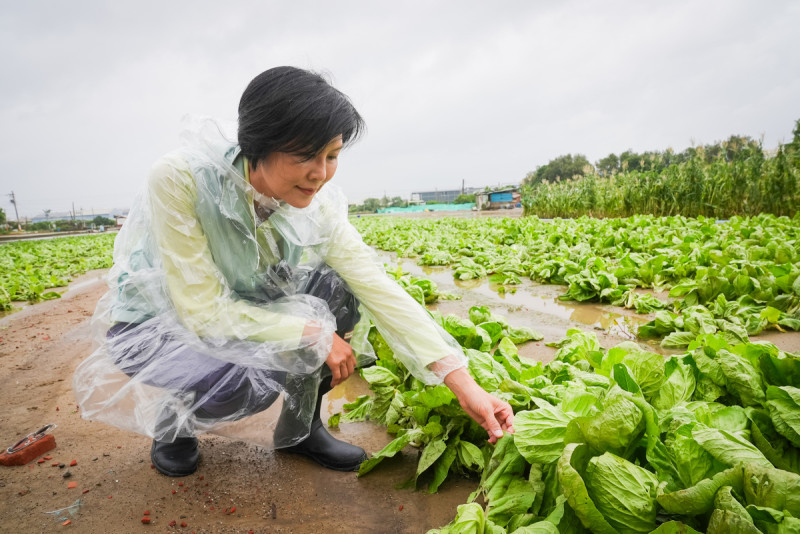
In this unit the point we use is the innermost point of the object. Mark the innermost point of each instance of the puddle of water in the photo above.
(529, 296)
(347, 391)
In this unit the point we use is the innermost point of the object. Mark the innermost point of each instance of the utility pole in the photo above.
(16, 213)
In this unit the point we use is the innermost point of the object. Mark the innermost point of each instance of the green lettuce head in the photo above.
(623, 492)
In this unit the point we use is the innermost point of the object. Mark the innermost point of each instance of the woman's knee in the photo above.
(327, 285)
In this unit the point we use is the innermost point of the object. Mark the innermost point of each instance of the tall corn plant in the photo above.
(720, 188)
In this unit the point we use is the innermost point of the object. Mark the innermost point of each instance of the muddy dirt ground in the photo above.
(238, 487)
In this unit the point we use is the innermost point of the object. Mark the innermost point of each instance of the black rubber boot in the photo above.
(320, 446)
(328, 451)
(175, 459)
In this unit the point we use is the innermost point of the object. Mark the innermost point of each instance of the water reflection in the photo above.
(535, 297)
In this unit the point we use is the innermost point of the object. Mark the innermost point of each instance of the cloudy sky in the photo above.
(480, 92)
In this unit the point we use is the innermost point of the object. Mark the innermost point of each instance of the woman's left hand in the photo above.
(341, 360)
(493, 414)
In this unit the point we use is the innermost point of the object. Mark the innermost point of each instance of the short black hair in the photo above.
(287, 109)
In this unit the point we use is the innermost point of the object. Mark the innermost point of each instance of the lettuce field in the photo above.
(29, 269)
(618, 440)
(607, 440)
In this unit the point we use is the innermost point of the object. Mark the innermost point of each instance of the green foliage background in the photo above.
(735, 177)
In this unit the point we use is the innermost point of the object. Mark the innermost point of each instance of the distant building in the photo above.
(506, 197)
(420, 197)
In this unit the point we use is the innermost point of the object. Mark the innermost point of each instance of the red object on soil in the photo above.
(65, 523)
(147, 512)
(173, 523)
(183, 524)
(400, 508)
(72, 485)
(28, 452)
(146, 520)
(73, 463)
(40, 461)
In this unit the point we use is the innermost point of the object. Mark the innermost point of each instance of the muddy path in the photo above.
(238, 487)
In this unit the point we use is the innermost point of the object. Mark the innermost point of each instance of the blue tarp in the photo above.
(501, 197)
(430, 207)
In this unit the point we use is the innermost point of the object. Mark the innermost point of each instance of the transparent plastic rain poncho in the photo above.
(218, 317)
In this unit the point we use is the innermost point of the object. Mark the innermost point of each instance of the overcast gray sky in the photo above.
(93, 92)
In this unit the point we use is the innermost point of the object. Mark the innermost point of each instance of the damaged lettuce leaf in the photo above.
(570, 466)
(616, 427)
(623, 492)
(784, 409)
(699, 499)
(539, 434)
(775, 447)
(678, 385)
(772, 488)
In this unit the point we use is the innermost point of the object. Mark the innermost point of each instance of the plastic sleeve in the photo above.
(405, 325)
(202, 301)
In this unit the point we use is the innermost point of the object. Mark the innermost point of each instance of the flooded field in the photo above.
(240, 487)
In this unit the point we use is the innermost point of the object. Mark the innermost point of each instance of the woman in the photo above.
(238, 280)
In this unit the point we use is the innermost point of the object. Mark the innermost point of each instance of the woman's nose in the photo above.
(318, 169)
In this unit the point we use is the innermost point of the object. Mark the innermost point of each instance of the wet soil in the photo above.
(238, 487)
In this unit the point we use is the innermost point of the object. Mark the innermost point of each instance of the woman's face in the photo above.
(295, 181)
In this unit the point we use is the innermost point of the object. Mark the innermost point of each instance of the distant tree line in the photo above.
(63, 225)
(731, 177)
(372, 205)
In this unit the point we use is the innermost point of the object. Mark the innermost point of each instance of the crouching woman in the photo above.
(237, 285)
